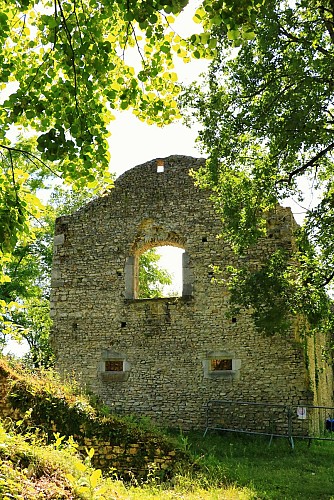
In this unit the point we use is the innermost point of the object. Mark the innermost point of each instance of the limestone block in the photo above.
(59, 239)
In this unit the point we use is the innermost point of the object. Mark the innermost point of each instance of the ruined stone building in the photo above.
(166, 357)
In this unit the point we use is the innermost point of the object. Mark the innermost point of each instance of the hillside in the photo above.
(30, 470)
(51, 436)
(56, 444)
(40, 401)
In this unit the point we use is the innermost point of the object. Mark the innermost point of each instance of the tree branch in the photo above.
(328, 23)
(69, 38)
(302, 41)
(55, 15)
(127, 29)
(14, 182)
(77, 20)
(327, 280)
(307, 165)
(126, 39)
(137, 44)
(33, 78)
(30, 156)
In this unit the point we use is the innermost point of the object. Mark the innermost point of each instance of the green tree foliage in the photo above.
(152, 277)
(29, 271)
(267, 121)
(34, 318)
(66, 65)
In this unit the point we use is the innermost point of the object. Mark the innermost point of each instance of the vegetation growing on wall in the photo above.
(52, 407)
(266, 114)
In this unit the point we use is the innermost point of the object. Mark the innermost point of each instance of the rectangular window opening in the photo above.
(219, 365)
(113, 365)
(160, 166)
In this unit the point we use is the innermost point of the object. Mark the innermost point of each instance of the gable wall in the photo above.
(166, 342)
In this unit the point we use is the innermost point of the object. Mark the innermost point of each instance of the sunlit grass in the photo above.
(219, 466)
(30, 470)
(275, 471)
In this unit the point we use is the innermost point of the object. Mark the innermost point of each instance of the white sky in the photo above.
(132, 142)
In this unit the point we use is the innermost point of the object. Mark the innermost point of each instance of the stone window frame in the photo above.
(131, 271)
(214, 374)
(113, 376)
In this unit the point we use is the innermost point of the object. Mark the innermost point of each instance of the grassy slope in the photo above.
(53, 407)
(30, 470)
(224, 467)
(232, 468)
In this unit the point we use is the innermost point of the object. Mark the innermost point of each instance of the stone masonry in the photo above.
(165, 358)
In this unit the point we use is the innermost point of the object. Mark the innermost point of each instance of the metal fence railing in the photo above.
(273, 420)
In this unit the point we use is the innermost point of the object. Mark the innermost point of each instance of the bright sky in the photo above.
(132, 142)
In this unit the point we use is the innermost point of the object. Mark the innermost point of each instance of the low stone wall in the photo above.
(128, 460)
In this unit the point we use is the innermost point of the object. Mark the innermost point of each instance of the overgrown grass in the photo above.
(219, 466)
(273, 472)
(31, 470)
(226, 467)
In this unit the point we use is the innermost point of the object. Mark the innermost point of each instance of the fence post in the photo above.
(290, 437)
(207, 418)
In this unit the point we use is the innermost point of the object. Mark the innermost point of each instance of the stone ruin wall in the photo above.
(165, 344)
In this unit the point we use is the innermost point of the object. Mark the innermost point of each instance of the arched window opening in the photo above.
(165, 272)
(160, 272)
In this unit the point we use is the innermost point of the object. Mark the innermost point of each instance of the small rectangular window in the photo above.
(221, 365)
(160, 166)
(113, 365)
